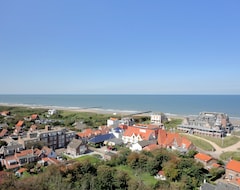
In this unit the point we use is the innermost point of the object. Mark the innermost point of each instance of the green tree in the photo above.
(121, 179)
(105, 177)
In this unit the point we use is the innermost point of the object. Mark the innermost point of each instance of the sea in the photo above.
(169, 104)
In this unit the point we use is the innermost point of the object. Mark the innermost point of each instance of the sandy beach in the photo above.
(234, 120)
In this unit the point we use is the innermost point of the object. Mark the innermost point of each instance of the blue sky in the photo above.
(120, 47)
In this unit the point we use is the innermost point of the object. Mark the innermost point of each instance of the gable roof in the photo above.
(3, 132)
(46, 150)
(21, 170)
(19, 123)
(34, 116)
(143, 132)
(233, 165)
(75, 143)
(202, 157)
(151, 147)
(88, 133)
(168, 139)
(146, 143)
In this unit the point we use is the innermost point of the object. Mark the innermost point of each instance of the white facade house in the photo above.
(114, 122)
(131, 139)
(52, 112)
(156, 118)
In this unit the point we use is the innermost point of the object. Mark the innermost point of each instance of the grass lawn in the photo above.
(226, 142)
(143, 176)
(228, 155)
(200, 143)
(92, 159)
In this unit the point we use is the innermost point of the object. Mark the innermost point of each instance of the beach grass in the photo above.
(199, 143)
(223, 143)
(230, 155)
(172, 124)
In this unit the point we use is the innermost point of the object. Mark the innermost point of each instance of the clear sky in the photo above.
(120, 47)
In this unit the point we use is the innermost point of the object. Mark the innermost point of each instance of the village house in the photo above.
(139, 146)
(134, 134)
(174, 141)
(114, 122)
(45, 161)
(19, 127)
(76, 147)
(19, 159)
(20, 172)
(34, 117)
(5, 113)
(160, 175)
(45, 152)
(207, 161)
(10, 149)
(233, 172)
(4, 133)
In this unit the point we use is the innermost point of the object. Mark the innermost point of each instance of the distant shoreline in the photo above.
(233, 120)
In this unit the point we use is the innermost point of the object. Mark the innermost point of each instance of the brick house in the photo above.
(233, 171)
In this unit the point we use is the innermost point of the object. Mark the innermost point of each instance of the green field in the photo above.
(92, 159)
(200, 143)
(145, 177)
(223, 143)
(230, 155)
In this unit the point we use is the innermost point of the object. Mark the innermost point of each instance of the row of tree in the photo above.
(182, 172)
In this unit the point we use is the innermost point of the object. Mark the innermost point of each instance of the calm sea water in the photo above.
(174, 104)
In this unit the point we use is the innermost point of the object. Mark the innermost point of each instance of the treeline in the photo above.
(181, 172)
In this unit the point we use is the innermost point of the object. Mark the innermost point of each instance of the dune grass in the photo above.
(223, 143)
(200, 143)
(230, 155)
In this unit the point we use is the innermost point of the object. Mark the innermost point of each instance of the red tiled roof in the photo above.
(238, 181)
(151, 147)
(21, 170)
(20, 123)
(113, 119)
(86, 133)
(24, 153)
(143, 132)
(34, 116)
(202, 157)
(54, 161)
(5, 113)
(215, 165)
(233, 165)
(161, 172)
(187, 142)
(33, 127)
(3, 132)
(124, 127)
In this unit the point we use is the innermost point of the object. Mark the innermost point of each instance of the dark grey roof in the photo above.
(101, 138)
(207, 186)
(116, 141)
(75, 143)
(226, 186)
(219, 186)
(146, 143)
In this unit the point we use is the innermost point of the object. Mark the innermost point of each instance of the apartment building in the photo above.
(53, 137)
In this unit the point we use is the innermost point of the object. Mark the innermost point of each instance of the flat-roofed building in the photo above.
(54, 137)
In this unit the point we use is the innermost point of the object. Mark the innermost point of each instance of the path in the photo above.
(218, 150)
